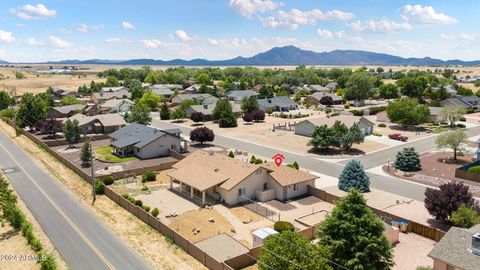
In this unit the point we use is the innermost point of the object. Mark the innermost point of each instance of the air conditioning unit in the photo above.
(476, 244)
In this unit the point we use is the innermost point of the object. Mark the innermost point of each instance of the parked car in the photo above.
(398, 137)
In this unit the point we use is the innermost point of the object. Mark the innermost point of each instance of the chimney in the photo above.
(476, 244)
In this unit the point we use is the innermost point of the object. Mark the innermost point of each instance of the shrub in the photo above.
(408, 160)
(258, 161)
(435, 123)
(335, 114)
(465, 217)
(132, 200)
(474, 169)
(375, 110)
(227, 122)
(382, 125)
(353, 176)
(8, 113)
(139, 203)
(253, 159)
(126, 196)
(197, 117)
(149, 176)
(108, 180)
(155, 212)
(99, 187)
(377, 133)
(146, 208)
(16, 218)
(258, 115)
(460, 125)
(201, 135)
(462, 118)
(230, 154)
(356, 112)
(36, 245)
(47, 261)
(281, 226)
(346, 105)
(144, 188)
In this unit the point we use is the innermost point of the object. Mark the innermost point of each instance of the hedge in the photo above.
(375, 110)
(149, 176)
(474, 169)
(281, 226)
(356, 112)
(108, 180)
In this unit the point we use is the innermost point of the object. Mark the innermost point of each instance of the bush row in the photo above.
(139, 203)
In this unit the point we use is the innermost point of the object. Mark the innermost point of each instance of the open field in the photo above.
(38, 82)
(144, 239)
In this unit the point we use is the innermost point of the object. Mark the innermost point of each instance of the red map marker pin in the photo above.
(278, 159)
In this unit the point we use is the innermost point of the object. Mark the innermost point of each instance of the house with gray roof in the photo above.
(145, 142)
(449, 88)
(99, 124)
(199, 98)
(277, 104)
(207, 110)
(162, 90)
(113, 89)
(116, 106)
(318, 88)
(458, 249)
(319, 95)
(307, 127)
(238, 95)
(469, 103)
(101, 97)
(65, 111)
(332, 86)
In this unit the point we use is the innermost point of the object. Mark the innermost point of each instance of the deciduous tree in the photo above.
(407, 112)
(453, 140)
(249, 104)
(5, 100)
(140, 113)
(201, 135)
(453, 113)
(442, 202)
(72, 132)
(85, 154)
(197, 117)
(358, 86)
(322, 137)
(353, 135)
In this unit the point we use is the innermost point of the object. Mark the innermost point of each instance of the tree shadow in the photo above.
(450, 160)
(197, 124)
(336, 152)
(408, 128)
(8, 234)
(202, 146)
(178, 121)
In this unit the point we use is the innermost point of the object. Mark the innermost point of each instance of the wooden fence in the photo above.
(421, 229)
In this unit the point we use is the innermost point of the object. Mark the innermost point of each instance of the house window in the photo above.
(172, 147)
(295, 186)
(241, 191)
(265, 186)
(138, 150)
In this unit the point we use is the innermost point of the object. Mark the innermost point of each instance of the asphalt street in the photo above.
(82, 240)
(381, 182)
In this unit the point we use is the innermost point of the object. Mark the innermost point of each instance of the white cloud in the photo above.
(33, 42)
(6, 37)
(82, 28)
(239, 42)
(183, 36)
(323, 33)
(380, 26)
(296, 17)
(31, 12)
(248, 8)
(213, 41)
(461, 36)
(128, 26)
(152, 43)
(59, 43)
(418, 14)
(113, 40)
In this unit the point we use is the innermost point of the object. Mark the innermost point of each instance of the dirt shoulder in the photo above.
(144, 239)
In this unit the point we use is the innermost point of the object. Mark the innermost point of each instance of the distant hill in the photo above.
(3, 62)
(288, 56)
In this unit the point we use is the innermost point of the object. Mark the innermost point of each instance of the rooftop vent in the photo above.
(216, 169)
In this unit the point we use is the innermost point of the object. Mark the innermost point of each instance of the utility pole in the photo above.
(92, 171)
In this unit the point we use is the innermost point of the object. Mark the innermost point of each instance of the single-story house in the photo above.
(318, 88)
(162, 90)
(199, 98)
(332, 86)
(145, 142)
(101, 97)
(458, 249)
(280, 104)
(469, 103)
(436, 114)
(113, 89)
(306, 127)
(238, 95)
(207, 110)
(65, 111)
(116, 106)
(233, 181)
(102, 123)
(449, 88)
(194, 88)
(319, 95)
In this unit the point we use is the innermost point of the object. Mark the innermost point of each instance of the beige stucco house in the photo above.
(306, 127)
(234, 181)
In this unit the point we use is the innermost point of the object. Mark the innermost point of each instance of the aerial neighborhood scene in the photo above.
(240, 134)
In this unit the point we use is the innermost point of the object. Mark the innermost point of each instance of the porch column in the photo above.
(191, 192)
(171, 183)
(203, 197)
(181, 187)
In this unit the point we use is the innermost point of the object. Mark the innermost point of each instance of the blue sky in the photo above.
(220, 29)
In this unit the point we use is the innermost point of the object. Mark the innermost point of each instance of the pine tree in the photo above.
(408, 160)
(253, 159)
(85, 154)
(353, 176)
(164, 112)
(354, 235)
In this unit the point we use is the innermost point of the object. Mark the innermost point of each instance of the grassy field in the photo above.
(105, 153)
(36, 83)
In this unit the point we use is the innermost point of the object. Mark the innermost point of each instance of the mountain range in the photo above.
(286, 56)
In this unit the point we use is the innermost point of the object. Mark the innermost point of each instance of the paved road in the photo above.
(82, 240)
(381, 182)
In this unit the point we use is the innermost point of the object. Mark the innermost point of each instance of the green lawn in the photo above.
(105, 153)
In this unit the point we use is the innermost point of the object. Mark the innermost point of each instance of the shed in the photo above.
(261, 234)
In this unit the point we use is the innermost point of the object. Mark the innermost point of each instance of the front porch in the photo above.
(201, 197)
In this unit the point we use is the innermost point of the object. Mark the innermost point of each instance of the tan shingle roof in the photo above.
(203, 170)
(348, 120)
